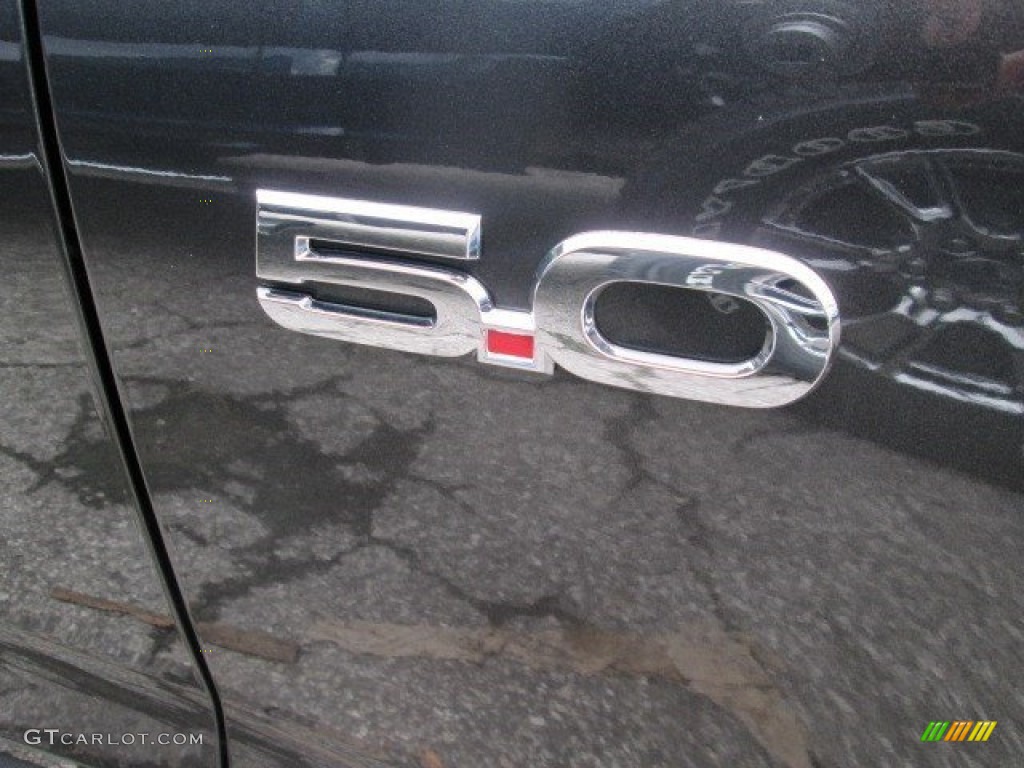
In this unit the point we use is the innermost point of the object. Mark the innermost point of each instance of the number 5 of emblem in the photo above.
(355, 245)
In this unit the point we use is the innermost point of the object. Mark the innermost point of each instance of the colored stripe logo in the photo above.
(958, 730)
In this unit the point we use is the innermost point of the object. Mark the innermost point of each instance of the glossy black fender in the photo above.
(467, 566)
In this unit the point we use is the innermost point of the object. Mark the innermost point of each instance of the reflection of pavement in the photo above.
(65, 522)
(506, 571)
(513, 572)
(9, 761)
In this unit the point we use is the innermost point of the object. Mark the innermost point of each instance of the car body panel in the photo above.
(87, 644)
(475, 566)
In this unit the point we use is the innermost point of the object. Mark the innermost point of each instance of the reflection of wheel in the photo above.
(928, 249)
(914, 215)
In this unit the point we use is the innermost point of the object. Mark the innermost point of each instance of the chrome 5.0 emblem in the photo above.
(352, 244)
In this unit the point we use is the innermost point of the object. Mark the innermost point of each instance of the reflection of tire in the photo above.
(915, 219)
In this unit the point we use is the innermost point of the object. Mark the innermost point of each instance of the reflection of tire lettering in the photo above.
(769, 165)
(709, 230)
(713, 207)
(877, 133)
(708, 224)
(727, 185)
(946, 128)
(818, 147)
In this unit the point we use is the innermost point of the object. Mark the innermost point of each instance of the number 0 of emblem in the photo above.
(359, 245)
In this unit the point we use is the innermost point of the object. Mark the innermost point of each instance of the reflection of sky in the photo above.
(96, 49)
(569, 186)
(18, 161)
(309, 62)
(152, 175)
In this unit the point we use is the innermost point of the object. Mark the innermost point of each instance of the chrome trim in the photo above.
(458, 301)
(802, 335)
(793, 359)
(358, 224)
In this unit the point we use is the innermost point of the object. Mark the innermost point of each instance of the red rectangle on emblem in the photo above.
(511, 344)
